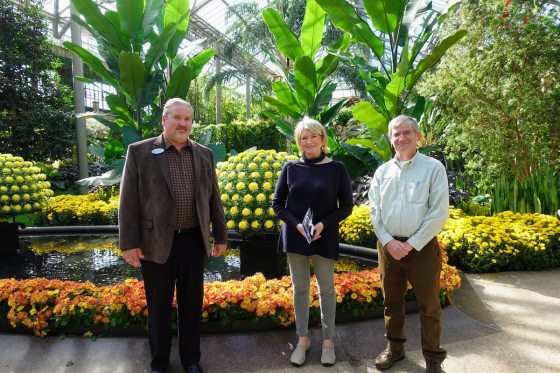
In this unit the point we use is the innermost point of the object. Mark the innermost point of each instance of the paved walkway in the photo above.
(507, 322)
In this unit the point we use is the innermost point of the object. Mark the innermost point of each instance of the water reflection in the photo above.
(96, 258)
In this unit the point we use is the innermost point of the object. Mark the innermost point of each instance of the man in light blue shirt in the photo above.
(409, 200)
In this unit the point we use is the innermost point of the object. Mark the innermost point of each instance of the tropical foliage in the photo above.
(306, 89)
(141, 59)
(35, 107)
(43, 305)
(400, 59)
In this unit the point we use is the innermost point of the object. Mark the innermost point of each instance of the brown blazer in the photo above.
(147, 207)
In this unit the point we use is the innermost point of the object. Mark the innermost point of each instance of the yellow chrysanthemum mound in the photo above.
(23, 188)
(357, 228)
(505, 241)
(86, 209)
(247, 182)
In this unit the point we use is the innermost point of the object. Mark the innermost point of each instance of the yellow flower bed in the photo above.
(86, 209)
(42, 305)
(357, 229)
(505, 241)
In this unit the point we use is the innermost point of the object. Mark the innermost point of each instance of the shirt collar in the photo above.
(413, 160)
(168, 144)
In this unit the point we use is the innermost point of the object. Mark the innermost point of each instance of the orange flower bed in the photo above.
(42, 305)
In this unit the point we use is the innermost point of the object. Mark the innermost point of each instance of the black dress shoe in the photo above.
(193, 368)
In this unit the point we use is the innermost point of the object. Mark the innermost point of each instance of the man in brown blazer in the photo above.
(169, 203)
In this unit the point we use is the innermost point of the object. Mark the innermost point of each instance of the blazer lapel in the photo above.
(162, 161)
(196, 164)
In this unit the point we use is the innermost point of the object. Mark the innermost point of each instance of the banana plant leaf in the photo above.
(385, 15)
(94, 63)
(133, 74)
(131, 15)
(344, 16)
(305, 77)
(180, 82)
(286, 41)
(284, 93)
(198, 62)
(322, 99)
(177, 13)
(313, 28)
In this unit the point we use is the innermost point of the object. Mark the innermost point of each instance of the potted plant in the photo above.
(247, 182)
(23, 189)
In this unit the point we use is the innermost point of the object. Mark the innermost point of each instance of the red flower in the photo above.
(525, 19)
(505, 15)
(506, 3)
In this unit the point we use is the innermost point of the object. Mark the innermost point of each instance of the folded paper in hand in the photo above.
(308, 227)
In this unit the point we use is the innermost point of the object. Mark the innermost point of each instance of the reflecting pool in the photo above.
(97, 258)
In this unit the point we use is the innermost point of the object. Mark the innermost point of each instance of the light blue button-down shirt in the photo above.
(409, 200)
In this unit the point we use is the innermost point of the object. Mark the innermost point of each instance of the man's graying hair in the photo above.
(175, 101)
(403, 119)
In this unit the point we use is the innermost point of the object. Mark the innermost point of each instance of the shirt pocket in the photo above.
(418, 192)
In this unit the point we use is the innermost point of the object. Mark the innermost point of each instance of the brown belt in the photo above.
(402, 239)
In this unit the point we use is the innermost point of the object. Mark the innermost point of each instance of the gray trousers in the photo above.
(324, 272)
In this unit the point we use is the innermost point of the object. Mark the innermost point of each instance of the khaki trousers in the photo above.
(422, 269)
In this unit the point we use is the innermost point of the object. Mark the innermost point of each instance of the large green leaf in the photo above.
(133, 74)
(153, 84)
(198, 62)
(313, 28)
(93, 16)
(180, 82)
(285, 129)
(176, 12)
(329, 114)
(397, 84)
(129, 135)
(286, 41)
(131, 14)
(94, 63)
(433, 57)
(119, 107)
(344, 16)
(322, 99)
(159, 46)
(283, 107)
(385, 14)
(285, 94)
(342, 44)
(325, 67)
(152, 9)
(366, 113)
(305, 78)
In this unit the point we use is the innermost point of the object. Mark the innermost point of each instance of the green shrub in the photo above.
(240, 136)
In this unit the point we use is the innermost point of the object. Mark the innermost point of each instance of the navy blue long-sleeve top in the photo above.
(323, 187)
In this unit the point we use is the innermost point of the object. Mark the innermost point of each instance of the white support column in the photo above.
(81, 135)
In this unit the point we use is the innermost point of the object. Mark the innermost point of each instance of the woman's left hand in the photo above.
(318, 229)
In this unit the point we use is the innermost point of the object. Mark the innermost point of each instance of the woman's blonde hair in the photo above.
(312, 126)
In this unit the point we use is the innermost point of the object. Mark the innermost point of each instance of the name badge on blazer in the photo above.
(157, 151)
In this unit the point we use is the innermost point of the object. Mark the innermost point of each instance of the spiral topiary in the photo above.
(23, 188)
(247, 182)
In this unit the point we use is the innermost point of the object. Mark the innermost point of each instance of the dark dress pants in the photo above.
(183, 270)
(422, 268)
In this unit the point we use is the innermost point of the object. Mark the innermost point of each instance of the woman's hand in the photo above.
(300, 230)
(318, 229)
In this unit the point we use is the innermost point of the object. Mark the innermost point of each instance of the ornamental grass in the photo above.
(43, 305)
(506, 241)
(88, 209)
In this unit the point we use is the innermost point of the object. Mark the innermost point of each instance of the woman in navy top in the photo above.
(322, 185)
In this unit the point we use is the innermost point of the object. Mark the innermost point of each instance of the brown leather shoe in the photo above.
(433, 367)
(386, 359)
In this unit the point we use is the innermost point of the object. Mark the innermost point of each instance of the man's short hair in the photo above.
(403, 119)
(175, 101)
(312, 126)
